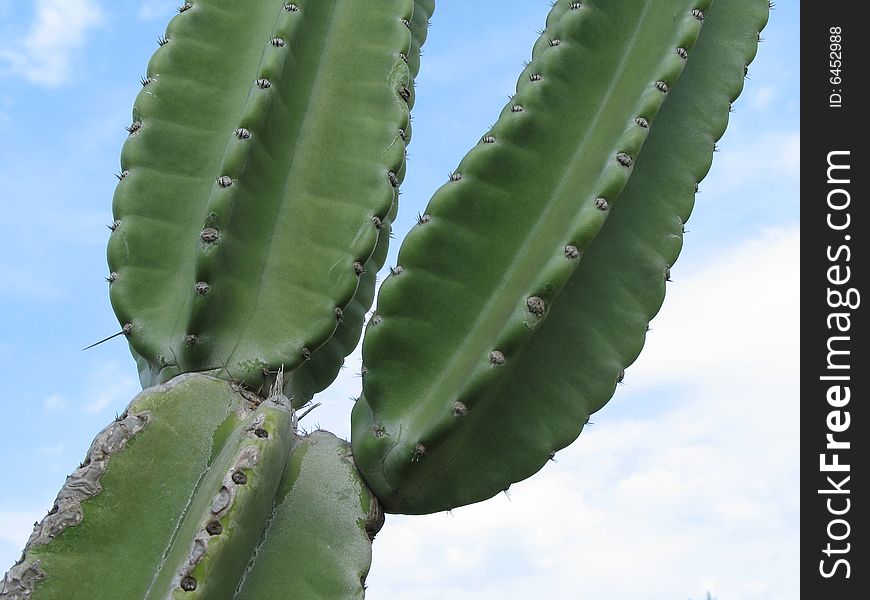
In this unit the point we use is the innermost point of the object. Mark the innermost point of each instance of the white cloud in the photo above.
(17, 525)
(690, 485)
(156, 9)
(761, 97)
(55, 403)
(44, 55)
(768, 157)
(111, 386)
(55, 450)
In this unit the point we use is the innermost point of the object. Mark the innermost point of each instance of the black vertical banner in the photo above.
(834, 334)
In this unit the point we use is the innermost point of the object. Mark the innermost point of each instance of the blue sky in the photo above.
(688, 480)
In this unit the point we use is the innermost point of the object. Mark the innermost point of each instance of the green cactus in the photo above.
(252, 194)
(195, 518)
(525, 365)
(253, 211)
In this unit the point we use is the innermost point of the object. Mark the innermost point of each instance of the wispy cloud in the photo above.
(55, 403)
(762, 97)
(689, 485)
(110, 386)
(54, 450)
(44, 55)
(16, 525)
(155, 9)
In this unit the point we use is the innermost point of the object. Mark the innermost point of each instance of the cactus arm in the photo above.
(120, 510)
(317, 373)
(250, 186)
(326, 517)
(502, 238)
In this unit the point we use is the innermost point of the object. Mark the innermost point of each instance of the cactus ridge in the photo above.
(504, 235)
(317, 373)
(215, 214)
(326, 515)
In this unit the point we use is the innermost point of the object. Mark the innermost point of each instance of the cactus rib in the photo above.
(251, 186)
(317, 373)
(503, 237)
(326, 515)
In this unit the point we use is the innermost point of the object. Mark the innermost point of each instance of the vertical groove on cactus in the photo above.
(252, 184)
(326, 518)
(504, 235)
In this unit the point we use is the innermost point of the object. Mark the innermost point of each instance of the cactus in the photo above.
(143, 518)
(252, 194)
(253, 211)
(522, 366)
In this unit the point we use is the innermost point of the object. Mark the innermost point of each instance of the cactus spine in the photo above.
(252, 213)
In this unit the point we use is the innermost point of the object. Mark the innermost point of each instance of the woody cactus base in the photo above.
(253, 210)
